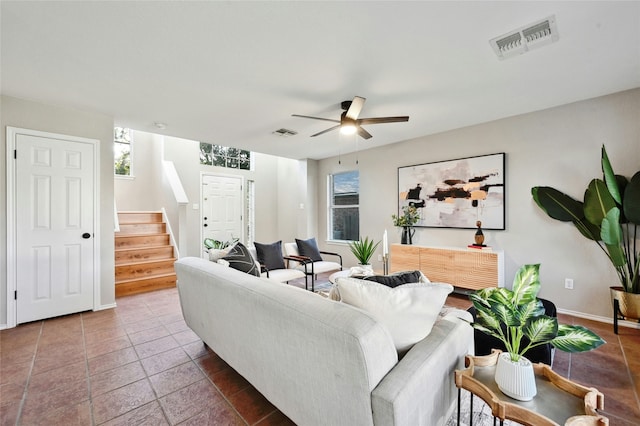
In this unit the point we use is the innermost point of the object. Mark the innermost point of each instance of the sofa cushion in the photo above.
(407, 311)
(239, 258)
(309, 248)
(270, 255)
(399, 278)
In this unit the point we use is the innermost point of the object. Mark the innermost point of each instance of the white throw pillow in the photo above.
(408, 311)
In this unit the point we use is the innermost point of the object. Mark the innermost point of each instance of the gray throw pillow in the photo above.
(394, 280)
(240, 258)
(309, 248)
(270, 255)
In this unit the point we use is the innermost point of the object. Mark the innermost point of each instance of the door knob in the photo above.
(86, 235)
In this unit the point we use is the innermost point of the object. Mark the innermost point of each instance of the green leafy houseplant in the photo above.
(210, 243)
(409, 217)
(363, 249)
(609, 215)
(511, 315)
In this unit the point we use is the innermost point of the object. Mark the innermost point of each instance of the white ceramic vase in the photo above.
(516, 379)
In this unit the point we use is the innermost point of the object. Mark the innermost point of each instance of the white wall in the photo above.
(138, 192)
(277, 193)
(557, 147)
(36, 116)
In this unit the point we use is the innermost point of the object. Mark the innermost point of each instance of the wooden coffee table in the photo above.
(559, 400)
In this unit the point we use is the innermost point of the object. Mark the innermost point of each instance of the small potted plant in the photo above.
(217, 248)
(363, 250)
(406, 220)
(511, 315)
(609, 216)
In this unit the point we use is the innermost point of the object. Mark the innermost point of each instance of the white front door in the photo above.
(54, 226)
(222, 207)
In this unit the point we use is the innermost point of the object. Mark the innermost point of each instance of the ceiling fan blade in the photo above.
(363, 133)
(378, 120)
(315, 118)
(325, 131)
(356, 106)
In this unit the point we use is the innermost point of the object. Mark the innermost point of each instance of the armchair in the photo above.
(311, 264)
(279, 274)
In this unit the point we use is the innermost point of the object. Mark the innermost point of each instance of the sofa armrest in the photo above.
(420, 390)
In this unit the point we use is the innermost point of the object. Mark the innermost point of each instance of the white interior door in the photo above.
(222, 207)
(54, 200)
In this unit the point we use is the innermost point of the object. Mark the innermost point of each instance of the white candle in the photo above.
(385, 244)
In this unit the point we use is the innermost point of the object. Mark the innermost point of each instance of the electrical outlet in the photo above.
(568, 283)
(379, 258)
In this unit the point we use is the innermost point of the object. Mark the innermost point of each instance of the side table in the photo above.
(559, 400)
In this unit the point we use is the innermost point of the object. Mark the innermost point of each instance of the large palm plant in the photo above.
(512, 315)
(609, 215)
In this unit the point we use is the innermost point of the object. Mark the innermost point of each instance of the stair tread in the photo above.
(145, 278)
(147, 261)
(129, 236)
(150, 248)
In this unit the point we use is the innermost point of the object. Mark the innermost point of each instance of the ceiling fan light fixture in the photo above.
(348, 129)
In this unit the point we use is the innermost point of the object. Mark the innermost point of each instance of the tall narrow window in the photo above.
(344, 210)
(122, 151)
(250, 211)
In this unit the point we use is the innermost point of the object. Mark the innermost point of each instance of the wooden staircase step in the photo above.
(139, 217)
(142, 228)
(144, 269)
(129, 255)
(141, 240)
(143, 285)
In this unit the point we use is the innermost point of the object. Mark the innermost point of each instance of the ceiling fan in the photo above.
(349, 122)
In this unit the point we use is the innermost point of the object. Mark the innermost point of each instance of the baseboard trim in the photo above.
(607, 320)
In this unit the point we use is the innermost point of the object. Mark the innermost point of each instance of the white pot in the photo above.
(516, 379)
(361, 270)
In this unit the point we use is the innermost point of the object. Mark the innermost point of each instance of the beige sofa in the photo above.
(319, 361)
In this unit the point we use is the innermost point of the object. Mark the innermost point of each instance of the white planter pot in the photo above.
(361, 270)
(516, 379)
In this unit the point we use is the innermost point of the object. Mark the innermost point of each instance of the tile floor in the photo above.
(140, 364)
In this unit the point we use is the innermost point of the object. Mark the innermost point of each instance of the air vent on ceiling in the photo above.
(526, 38)
(284, 132)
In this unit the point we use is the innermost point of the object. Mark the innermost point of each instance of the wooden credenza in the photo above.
(465, 269)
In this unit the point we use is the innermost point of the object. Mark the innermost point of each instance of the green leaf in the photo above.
(631, 200)
(363, 249)
(535, 308)
(610, 177)
(526, 284)
(506, 314)
(556, 204)
(541, 329)
(597, 202)
(576, 338)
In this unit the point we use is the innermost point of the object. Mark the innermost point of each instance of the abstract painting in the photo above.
(456, 193)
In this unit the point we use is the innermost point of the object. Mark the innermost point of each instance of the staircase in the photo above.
(144, 256)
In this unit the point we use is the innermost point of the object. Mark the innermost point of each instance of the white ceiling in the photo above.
(233, 72)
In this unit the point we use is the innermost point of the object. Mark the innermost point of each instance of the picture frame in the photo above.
(456, 193)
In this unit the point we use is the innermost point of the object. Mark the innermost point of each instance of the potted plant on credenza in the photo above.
(406, 220)
(609, 216)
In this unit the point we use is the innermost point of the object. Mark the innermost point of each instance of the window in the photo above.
(222, 156)
(122, 151)
(344, 211)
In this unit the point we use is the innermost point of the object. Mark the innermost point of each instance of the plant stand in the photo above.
(559, 401)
